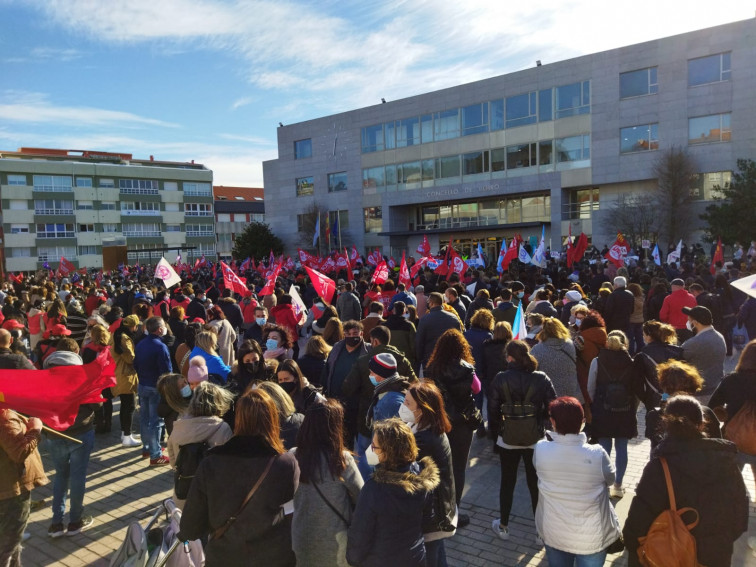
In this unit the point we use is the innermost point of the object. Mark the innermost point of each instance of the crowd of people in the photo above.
(342, 436)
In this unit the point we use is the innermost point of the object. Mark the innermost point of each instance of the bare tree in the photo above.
(635, 216)
(674, 171)
(309, 221)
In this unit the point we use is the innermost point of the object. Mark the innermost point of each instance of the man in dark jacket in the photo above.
(619, 307)
(402, 331)
(196, 307)
(8, 359)
(432, 326)
(505, 310)
(453, 299)
(231, 310)
(482, 301)
(348, 304)
(254, 331)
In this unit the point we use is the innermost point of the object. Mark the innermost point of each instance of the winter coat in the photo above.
(429, 330)
(312, 368)
(493, 361)
(348, 307)
(151, 360)
(557, 358)
(661, 352)
(655, 427)
(519, 381)
(588, 342)
(619, 307)
(574, 513)
(215, 364)
(653, 304)
(306, 397)
(223, 480)
(671, 310)
(733, 391)
(475, 337)
(290, 429)
(126, 376)
(706, 477)
(318, 535)
(706, 351)
(441, 507)
(455, 383)
(226, 340)
(232, 311)
(387, 523)
(13, 361)
(477, 303)
(21, 467)
(505, 311)
(286, 317)
(195, 309)
(402, 336)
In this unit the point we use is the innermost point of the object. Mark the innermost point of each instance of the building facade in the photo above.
(554, 145)
(235, 208)
(73, 203)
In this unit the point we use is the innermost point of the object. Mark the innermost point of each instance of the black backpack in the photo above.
(519, 426)
(187, 462)
(615, 396)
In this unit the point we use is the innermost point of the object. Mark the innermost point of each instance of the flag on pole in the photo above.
(539, 256)
(655, 255)
(618, 251)
(324, 286)
(299, 307)
(481, 257)
(234, 282)
(570, 249)
(165, 272)
(65, 267)
(581, 245)
(519, 329)
(523, 255)
(328, 229)
(317, 231)
(424, 248)
(336, 231)
(676, 254)
(718, 257)
(404, 275)
(381, 274)
(270, 284)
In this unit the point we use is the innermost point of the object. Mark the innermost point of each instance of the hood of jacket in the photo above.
(62, 358)
(246, 446)
(422, 476)
(699, 459)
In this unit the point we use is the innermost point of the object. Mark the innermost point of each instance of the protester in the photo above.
(660, 342)
(226, 335)
(292, 381)
(278, 343)
(313, 361)
(432, 326)
(289, 419)
(706, 350)
(206, 347)
(556, 357)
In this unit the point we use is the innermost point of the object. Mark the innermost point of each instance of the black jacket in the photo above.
(387, 523)
(289, 430)
(662, 352)
(195, 309)
(455, 383)
(224, 478)
(619, 307)
(441, 507)
(312, 368)
(519, 381)
(705, 476)
(430, 328)
(477, 303)
(493, 360)
(12, 361)
(733, 391)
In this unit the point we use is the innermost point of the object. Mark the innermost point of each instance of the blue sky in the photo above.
(210, 80)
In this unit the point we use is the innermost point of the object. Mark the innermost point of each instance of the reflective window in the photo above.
(705, 129)
(373, 219)
(16, 179)
(498, 159)
(545, 105)
(638, 83)
(711, 69)
(521, 155)
(426, 128)
(83, 181)
(408, 132)
(106, 183)
(87, 250)
(536, 208)
(373, 178)
(427, 165)
(197, 189)
(446, 124)
(639, 138)
(497, 114)
(475, 119)
(447, 167)
(409, 172)
(303, 149)
(107, 206)
(54, 183)
(55, 231)
(390, 132)
(305, 186)
(573, 99)
(16, 252)
(372, 138)
(475, 162)
(574, 148)
(390, 175)
(545, 152)
(521, 110)
(707, 186)
(337, 182)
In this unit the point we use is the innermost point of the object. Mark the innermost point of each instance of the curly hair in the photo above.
(286, 340)
(592, 319)
(483, 319)
(396, 442)
(450, 348)
(676, 377)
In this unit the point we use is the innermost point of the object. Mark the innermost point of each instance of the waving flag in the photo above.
(270, 285)
(519, 330)
(580, 247)
(392, 263)
(424, 248)
(381, 274)
(234, 282)
(165, 272)
(419, 265)
(656, 256)
(570, 249)
(523, 255)
(404, 275)
(718, 257)
(374, 258)
(456, 263)
(354, 256)
(502, 263)
(245, 265)
(675, 256)
(299, 306)
(65, 267)
(618, 251)
(317, 232)
(539, 256)
(481, 257)
(289, 264)
(324, 286)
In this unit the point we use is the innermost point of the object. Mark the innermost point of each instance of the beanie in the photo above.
(573, 295)
(197, 370)
(383, 365)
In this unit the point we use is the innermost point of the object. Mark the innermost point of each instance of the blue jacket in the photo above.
(215, 364)
(406, 298)
(151, 360)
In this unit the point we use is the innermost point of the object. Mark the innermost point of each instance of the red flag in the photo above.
(65, 267)
(328, 265)
(510, 255)
(424, 248)
(65, 389)
(381, 274)
(580, 247)
(392, 263)
(244, 265)
(419, 265)
(718, 257)
(374, 257)
(342, 261)
(289, 264)
(457, 263)
(234, 282)
(618, 251)
(355, 255)
(324, 286)
(270, 284)
(404, 275)
(443, 268)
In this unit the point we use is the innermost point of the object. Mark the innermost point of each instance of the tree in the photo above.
(731, 216)
(635, 216)
(308, 224)
(674, 171)
(257, 241)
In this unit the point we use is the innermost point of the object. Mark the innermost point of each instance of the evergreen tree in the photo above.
(731, 216)
(257, 241)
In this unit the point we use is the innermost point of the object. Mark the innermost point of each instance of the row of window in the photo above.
(338, 221)
(69, 230)
(240, 217)
(336, 182)
(64, 183)
(66, 207)
(147, 251)
(54, 253)
(701, 130)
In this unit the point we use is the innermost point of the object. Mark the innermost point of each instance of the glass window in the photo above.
(19, 205)
(390, 176)
(372, 138)
(475, 119)
(389, 129)
(86, 228)
(20, 252)
(711, 69)
(106, 183)
(426, 128)
(497, 114)
(199, 230)
(110, 227)
(475, 162)
(574, 148)
(408, 132)
(583, 202)
(87, 250)
(197, 189)
(343, 217)
(447, 167)
(141, 229)
(373, 178)
(53, 207)
(446, 124)
(138, 186)
(223, 217)
(545, 105)
(19, 228)
(409, 172)
(172, 207)
(373, 219)
(337, 182)
(521, 155)
(513, 211)
(639, 138)
(303, 149)
(52, 183)
(573, 99)
(521, 110)
(83, 181)
(305, 186)
(705, 129)
(427, 165)
(707, 186)
(171, 186)
(53, 253)
(545, 152)
(638, 83)
(107, 206)
(198, 209)
(137, 208)
(498, 159)
(84, 205)
(55, 230)
(16, 179)
(173, 228)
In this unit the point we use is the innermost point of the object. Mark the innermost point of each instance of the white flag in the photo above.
(655, 255)
(519, 329)
(523, 255)
(675, 256)
(539, 256)
(165, 272)
(299, 306)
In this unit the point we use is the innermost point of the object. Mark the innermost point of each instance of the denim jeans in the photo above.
(149, 421)
(558, 558)
(435, 553)
(14, 513)
(360, 447)
(620, 463)
(70, 461)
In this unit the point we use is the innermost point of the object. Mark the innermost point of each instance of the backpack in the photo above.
(668, 542)
(741, 429)
(519, 426)
(187, 462)
(615, 395)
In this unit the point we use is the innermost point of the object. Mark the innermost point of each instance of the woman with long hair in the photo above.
(329, 486)
(175, 395)
(126, 376)
(556, 356)
(312, 362)
(387, 523)
(423, 411)
(705, 477)
(333, 332)
(660, 342)
(240, 488)
(206, 346)
(519, 394)
(589, 340)
(216, 319)
(451, 367)
(288, 416)
(293, 382)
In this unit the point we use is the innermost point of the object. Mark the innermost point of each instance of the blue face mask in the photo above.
(373, 380)
(520, 294)
(271, 344)
(665, 397)
(261, 321)
(186, 391)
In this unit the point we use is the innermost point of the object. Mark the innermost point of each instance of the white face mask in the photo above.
(371, 457)
(406, 414)
(690, 326)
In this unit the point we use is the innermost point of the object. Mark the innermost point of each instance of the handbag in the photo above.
(741, 429)
(331, 506)
(739, 337)
(218, 533)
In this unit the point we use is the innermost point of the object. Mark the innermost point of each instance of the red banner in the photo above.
(324, 286)
(618, 251)
(234, 282)
(424, 248)
(404, 275)
(381, 274)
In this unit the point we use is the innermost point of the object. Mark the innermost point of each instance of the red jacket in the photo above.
(671, 311)
(285, 316)
(248, 310)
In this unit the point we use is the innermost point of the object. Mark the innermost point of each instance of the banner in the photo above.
(65, 267)
(618, 251)
(165, 272)
(404, 275)
(324, 286)
(234, 282)
(381, 274)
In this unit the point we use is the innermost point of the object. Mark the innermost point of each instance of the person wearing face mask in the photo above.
(293, 382)
(402, 331)
(706, 350)
(505, 310)
(423, 410)
(175, 394)
(255, 330)
(277, 343)
(518, 294)
(389, 389)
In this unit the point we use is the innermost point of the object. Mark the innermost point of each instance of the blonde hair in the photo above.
(100, 335)
(502, 331)
(283, 401)
(579, 308)
(483, 319)
(616, 340)
(317, 347)
(553, 329)
(207, 341)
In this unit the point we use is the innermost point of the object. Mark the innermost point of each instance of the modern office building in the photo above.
(73, 203)
(235, 208)
(553, 145)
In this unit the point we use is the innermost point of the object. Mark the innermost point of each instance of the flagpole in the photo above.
(51, 430)
(319, 239)
(338, 216)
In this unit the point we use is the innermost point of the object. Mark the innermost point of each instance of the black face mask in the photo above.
(251, 367)
(353, 341)
(288, 387)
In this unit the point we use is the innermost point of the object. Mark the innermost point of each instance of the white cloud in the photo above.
(45, 54)
(243, 101)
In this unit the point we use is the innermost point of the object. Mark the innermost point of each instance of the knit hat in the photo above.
(383, 365)
(131, 321)
(197, 370)
(573, 295)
